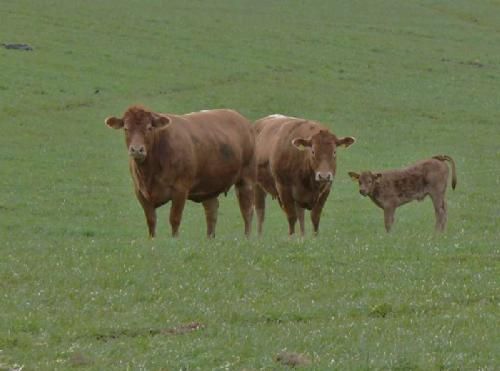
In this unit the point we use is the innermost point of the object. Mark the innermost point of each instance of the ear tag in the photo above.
(301, 147)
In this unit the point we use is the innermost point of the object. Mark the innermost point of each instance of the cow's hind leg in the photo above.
(260, 207)
(440, 210)
(211, 207)
(288, 205)
(245, 193)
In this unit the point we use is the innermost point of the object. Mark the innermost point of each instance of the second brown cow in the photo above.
(393, 188)
(296, 163)
(195, 157)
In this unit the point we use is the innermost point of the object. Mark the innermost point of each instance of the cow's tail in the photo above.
(453, 171)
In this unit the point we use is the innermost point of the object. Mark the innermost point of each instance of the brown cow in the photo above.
(195, 156)
(296, 162)
(393, 188)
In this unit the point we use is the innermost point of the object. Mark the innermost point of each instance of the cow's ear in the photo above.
(354, 176)
(345, 141)
(377, 176)
(114, 122)
(302, 143)
(160, 121)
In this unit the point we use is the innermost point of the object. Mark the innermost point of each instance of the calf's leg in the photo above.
(440, 210)
(389, 218)
(211, 207)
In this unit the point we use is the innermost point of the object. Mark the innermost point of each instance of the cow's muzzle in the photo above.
(363, 193)
(326, 176)
(137, 152)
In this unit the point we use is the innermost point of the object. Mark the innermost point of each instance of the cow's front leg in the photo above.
(211, 207)
(288, 205)
(178, 202)
(245, 194)
(149, 212)
(389, 217)
(317, 209)
(300, 216)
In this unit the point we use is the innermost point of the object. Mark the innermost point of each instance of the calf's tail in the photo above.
(453, 171)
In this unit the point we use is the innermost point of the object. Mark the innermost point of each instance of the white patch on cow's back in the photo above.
(200, 111)
(280, 116)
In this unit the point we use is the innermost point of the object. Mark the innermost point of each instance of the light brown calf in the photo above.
(393, 188)
(195, 156)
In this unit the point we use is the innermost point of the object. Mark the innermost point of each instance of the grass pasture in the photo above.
(83, 288)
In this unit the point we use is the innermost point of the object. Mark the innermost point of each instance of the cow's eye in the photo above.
(150, 128)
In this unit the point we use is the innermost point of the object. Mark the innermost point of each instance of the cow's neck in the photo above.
(144, 173)
(306, 173)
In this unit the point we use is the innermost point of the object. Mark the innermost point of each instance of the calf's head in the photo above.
(366, 180)
(139, 126)
(322, 151)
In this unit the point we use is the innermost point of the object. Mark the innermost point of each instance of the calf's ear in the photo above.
(377, 176)
(302, 143)
(354, 176)
(160, 121)
(345, 141)
(114, 122)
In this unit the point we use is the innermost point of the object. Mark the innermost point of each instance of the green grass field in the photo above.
(83, 288)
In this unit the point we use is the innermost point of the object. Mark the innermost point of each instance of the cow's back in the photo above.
(222, 142)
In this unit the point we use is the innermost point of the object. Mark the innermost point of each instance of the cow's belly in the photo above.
(210, 187)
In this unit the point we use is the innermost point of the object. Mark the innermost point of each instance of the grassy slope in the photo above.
(81, 285)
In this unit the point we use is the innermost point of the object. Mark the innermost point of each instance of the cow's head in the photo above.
(322, 150)
(366, 180)
(139, 125)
